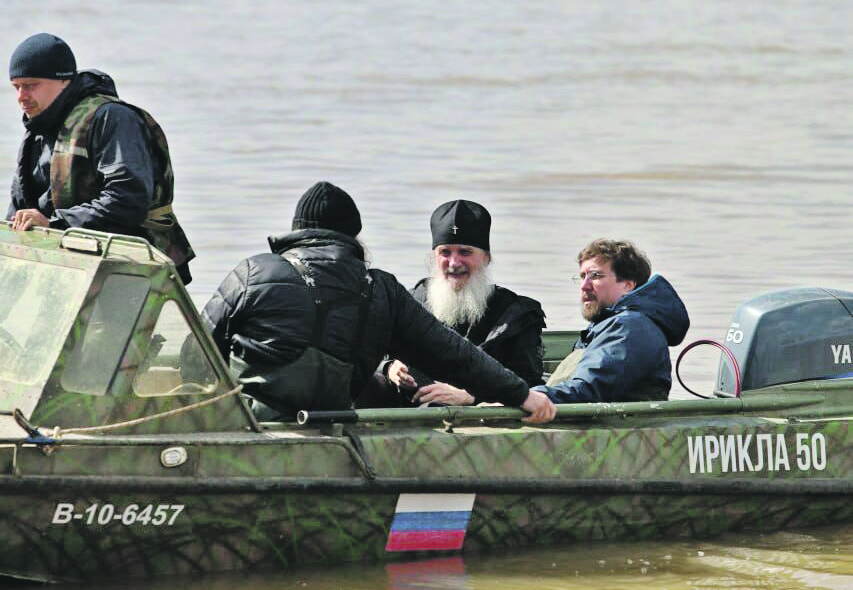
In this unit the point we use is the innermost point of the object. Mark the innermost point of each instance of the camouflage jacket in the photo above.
(94, 161)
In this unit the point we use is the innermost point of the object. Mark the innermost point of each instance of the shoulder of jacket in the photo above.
(630, 321)
(419, 291)
(115, 107)
(266, 268)
(516, 304)
(378, 274)
(385, 280)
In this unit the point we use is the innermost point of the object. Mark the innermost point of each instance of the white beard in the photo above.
(465, 306)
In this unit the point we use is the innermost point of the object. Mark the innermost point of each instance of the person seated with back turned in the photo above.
(87, 158)
(460, 293)
(623, 354)
(306, 325)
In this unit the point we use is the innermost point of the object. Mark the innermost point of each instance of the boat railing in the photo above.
(457, 415)
(101, 243)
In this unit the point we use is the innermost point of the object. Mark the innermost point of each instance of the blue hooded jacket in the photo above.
(626, 355)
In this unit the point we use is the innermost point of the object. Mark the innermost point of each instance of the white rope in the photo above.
(58, 432)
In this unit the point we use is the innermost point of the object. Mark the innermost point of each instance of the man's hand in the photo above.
(27, 218)
(540, 407)
(444, 393)
(398, 374)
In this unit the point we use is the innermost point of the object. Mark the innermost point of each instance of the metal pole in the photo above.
(457, 414)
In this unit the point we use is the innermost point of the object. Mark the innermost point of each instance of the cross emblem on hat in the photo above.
(454, 228)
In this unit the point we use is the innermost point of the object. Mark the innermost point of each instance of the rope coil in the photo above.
(729, 355)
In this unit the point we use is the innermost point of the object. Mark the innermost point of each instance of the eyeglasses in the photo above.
(593, 275)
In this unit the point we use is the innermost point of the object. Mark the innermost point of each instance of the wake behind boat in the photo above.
(126, 448)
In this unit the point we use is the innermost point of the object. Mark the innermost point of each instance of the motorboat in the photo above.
(123, 454)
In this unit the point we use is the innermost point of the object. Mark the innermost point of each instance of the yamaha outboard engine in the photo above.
(788, 336)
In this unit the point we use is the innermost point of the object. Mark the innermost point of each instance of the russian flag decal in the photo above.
(430, 522)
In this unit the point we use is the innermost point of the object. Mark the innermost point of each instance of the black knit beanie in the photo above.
(42, 56)
(461, 222)
(325, 206)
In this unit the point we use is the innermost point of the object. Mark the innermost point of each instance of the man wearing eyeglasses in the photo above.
(623, 354)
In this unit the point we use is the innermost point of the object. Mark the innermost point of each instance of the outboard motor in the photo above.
(788, 336)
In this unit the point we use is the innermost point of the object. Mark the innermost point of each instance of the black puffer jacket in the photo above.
(266, 310)
(510, 331)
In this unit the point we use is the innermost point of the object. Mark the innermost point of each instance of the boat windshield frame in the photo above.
(115, 324)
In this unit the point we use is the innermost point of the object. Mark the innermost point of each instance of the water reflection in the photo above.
(427, 574)
(813, 559)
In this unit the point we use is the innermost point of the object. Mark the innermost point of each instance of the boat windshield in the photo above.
(37, 309)
(100, 344)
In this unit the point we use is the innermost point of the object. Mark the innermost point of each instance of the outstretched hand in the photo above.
(540, 407)
(444, 393)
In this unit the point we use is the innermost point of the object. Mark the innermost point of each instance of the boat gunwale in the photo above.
(717, 486)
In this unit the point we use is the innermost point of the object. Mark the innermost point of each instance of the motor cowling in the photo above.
(788, 336)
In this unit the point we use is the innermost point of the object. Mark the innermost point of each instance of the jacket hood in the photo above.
(658, 301)
(94, 82)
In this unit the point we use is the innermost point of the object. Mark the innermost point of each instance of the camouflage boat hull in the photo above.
(106, 506)
(354, 527)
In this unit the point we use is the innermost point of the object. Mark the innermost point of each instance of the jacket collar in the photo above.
(49, 120)
(83, 84)
(657, 300)
(307, 238)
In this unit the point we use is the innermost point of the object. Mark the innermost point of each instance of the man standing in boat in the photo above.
(89, 159)
(623, 355)
(461, 294)
(306, 324)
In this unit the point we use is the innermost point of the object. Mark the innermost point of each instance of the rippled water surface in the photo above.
(821, 558)
(717, 135)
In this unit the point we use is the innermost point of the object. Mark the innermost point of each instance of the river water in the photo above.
(718, 136)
